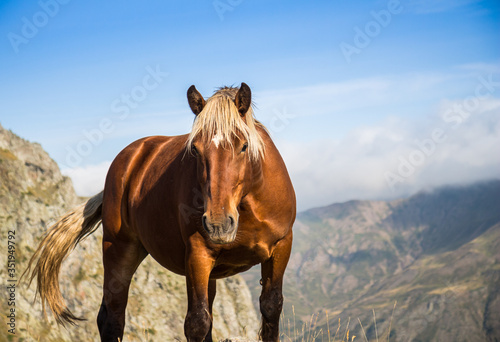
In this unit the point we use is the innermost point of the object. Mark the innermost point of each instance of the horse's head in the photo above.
(226, 145)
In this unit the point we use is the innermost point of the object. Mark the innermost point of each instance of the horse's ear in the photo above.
(243, 99)
(196, 101)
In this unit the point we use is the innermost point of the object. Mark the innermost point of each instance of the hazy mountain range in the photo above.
(436, 253)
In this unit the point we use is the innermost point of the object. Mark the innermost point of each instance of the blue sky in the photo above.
(347, 123)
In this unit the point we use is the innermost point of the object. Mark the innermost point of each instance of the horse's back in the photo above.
(131, 169)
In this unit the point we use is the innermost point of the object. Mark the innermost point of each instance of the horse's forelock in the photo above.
(220, 119)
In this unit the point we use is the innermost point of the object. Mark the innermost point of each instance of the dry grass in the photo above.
(310, 332)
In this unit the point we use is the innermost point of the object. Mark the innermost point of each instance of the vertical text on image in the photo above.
(11, 281)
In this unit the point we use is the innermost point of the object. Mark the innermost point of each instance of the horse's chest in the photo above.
(231, 263)
(243, 256)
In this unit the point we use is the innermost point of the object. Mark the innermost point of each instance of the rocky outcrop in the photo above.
(33, 193)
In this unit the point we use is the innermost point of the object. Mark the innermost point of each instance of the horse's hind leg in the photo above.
(121, 260)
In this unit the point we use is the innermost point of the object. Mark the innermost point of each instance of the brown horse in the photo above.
(206, 205)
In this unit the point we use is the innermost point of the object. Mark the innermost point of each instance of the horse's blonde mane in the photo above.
(220, 118)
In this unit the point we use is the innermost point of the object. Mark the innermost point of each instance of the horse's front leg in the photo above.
(271, 299)
(198, 324)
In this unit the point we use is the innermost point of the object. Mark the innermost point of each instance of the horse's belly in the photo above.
(166, 247)
(176, 266)
(224, 271)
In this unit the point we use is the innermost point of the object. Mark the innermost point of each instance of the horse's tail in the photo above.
(59, 240)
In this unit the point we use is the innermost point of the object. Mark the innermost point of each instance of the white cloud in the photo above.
(321, 98)
(357, 166)
(342, 106)
(88, 180)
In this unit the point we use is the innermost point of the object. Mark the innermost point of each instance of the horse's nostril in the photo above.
(231, 221)
(204, 222)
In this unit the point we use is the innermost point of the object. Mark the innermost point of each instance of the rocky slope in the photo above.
(437, 254)
(32, 194)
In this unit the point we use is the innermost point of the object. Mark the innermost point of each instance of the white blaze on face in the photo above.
(217, 139)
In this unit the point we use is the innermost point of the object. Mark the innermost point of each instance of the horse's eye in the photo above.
(194, 150)
(244, 148)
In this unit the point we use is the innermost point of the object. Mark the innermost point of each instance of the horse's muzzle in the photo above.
(221, 231)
